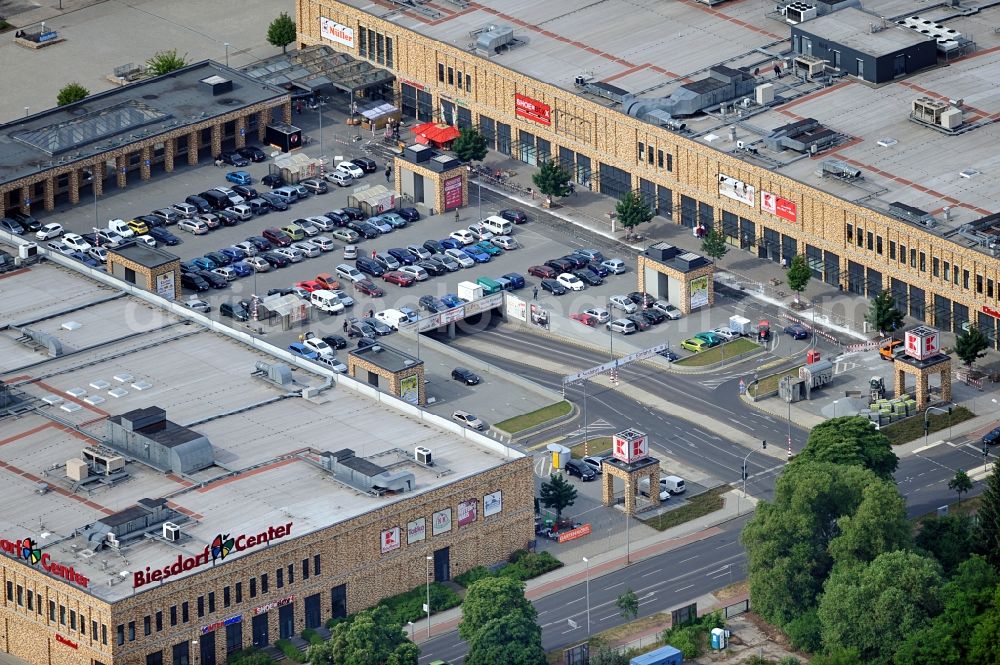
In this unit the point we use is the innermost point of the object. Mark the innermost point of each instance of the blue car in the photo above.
(410, 314)
(450, 243)
(84, 258)
(516, 280)
(300, 350)
(189, 266)
(241, 269)
(597, 269)
(204, 263)
(164, 236)
(451, 300)
(404, 256)
(239, 178)
(234, 253)
(476, 254)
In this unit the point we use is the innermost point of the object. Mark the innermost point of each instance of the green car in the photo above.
(490, 286)
(695, 345)
(711, 339)
(489, 248)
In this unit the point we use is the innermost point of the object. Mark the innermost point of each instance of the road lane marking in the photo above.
(928, 447)
(689, 586)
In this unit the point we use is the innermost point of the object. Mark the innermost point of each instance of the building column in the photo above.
(145, 166)
(74, 186)
(946, 383)
(97, 178)
(607, 489)
(216, 140)
(263, 120)
(923, 392)
(169, 149)
(194, 141)
(121, 170)
(25, 196)
(287, 109)
(654, 487)
(630, 491)
(50, 193)
(899, 381)
(240, 131)
(3, 202)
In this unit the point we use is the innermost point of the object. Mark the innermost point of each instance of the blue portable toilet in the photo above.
(663, 656)
(718, 638)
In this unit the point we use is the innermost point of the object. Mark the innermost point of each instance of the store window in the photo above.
(211, 602)
(239, 592)
(182, 653)
(935, 266)
(120, 634)
(947, 271)
(226, 599)
(923, 262)
(159, 620)
(850, 233)
(185, 612)
(279, 578)
(871, 241)
(965, 279)
(173, 615)
(878, 245)
(305, 569)
(263, 582)
(131, 631)
(316, 567)
(147, 625)
(201, 606)
(979, 283)
(892, 250)
(234, 637)
(614, 182)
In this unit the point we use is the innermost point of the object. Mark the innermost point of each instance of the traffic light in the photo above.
(763, 444)
(744, 475)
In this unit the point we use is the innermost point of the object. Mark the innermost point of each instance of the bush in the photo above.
(311, 636)
(249, 656)
(473, 575)
(692, 638)
(409, 606)
(332, 623)
(291, 651)
(789, 660)
(804, 632)
(523, 566)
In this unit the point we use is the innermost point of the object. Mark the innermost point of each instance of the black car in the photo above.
(434, 246)
(272, 180)
(640, 321)
(262, 244)
(199, 203)
(283, 291)
(466, 376)
(355, 213)
(574, 259)
(253, 153)
(515, 215)
(26, 220)
(193, 281)
(246, 191)
(228, 217)
(275, 260)
(336, 341)
(218, 258)
(654, 316)
(588, 278)
(164, 236)
(580, 470)
(189, 266)
(561, 265)
(338, 217)
(553, 287)
(154, 221)
(234, 158)
(369, 267)
(433, 268)
(992, 438)
(365, 164)
(360, 329)
(365, 342)
(797, 331)
(217, 281)
(669, 355)
(641, 299)
(364, 229)
(235, 310)
(431, 304)
(409, 214)
(404, 256)
(274, 201)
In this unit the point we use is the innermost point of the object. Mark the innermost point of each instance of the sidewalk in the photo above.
(601, 564)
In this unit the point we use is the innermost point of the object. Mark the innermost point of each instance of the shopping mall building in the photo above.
(862, 139)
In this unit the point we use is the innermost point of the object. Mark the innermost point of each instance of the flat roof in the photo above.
(143, 254)
(107, 120)
(268, 444)
(851, 27)
(562, 39)
(386, 357)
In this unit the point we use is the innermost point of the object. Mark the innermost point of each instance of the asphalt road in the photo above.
(662, 582)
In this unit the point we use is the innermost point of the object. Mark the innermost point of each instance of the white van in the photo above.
(498, 226)
(392, 318)
(644, 488)
(326, 301)
(673, 484)
(120, 227)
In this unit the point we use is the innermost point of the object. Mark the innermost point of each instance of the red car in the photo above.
(585, 319)
(369, 288)
(400, 278)
(328, 281)
(545, 272)
(277, 237)
(310, 285)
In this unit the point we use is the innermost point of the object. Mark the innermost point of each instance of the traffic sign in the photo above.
(614, 364)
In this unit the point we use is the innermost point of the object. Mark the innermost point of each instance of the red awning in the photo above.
(436, 133)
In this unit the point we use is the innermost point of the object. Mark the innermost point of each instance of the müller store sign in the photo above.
(221, 547)
(27, 550)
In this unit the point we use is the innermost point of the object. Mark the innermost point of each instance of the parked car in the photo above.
(552, 286)
(370, 267)
(346, 235)
(351, 169)
(505, 242)
(399, 278)
(277, 237)
(262, 244)
(669, 310)
(307, 248)
(488, 247)
(461, 257)
(588, 278)
(335, 341)
(595, 462)
(476, 254)
(431, 267)
(571, 282)
(466, 376)
(654, 316)
(621, 326)
(409, 214)
(614, 266)
(431, 304)
(797, 331)
(234, 310)
(992, 437)
(365, 164)
(12, 226)
(585, 319)
(75, 242)
(274, 259)
(216, 281)
(49, 231)
(315, 186)
(433, 246)
(602, 315)
(711, 339)
(694, 344)
(239, 178)
(640, 321)
(369, 288)
(234, 159)
(516, 280)
(274, 202)
(515, 215)
(246, 191)
(258, 263)
(416, 272)
(27, 220)
(580, 470)
(197, 305)
(544, 272)
(560, 265)
(469, 420)
(253, 153)
(164, 236)
(193, 281)
(272, 180)
(463, 236)
(624, 303)
(451, 300)
(301, 350)
(641, 299)
(597, 269)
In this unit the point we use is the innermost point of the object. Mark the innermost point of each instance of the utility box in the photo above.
(764, 93)
(812, 356)
(77, 469)
(283, 136)
(667, 655)
(469, 291)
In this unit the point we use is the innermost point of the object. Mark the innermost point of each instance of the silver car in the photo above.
(307, 248)
(469, 420)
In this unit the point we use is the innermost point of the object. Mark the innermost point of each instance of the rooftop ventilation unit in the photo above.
(911, 214)
(423, 456)
(948, 40)
(840, 169)
(722, 85)
(798, 12)
(171, 532)
(809, 65)
(936, 113)
(494, 38)
(277, 373)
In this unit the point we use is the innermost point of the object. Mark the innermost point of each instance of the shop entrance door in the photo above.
(260, 636)
(442, 564)
(207, 648)
(286, 621)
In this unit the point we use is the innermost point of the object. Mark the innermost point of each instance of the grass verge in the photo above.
(912, 428)
(4, 25)
(535, 418)
(719, 353)
(769, 384)
(598, 445)
(968, 506)
(697, 506)
(523, 565)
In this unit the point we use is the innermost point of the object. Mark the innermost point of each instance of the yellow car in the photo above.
(295, 231)
(138, 227)
(694, 344)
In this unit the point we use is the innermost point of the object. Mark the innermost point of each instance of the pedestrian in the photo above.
(388, 174)
(371, 313)
(373, 254)
(534, 294)
(777, 71)
(345, 325)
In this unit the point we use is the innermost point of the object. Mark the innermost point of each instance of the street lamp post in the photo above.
(927, 414)
(587, 561)
(428, 567)
(835, 407)
(227, 53)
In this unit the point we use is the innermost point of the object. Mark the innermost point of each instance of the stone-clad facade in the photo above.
(349, 553)
(684, 175)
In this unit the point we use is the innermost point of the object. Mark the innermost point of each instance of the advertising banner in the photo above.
(453, 193)
(273, 605)
(779, 206)
(736, 190)
(441, 522)
(165, 285)
(630, 449)
(492, 504)
(390, 539)
(409, 389)
(416, 530)
(699, 292)
(532, 109)
(335, 32)
(515, 307)
(485, 303)
(467, 512)
(573, 534)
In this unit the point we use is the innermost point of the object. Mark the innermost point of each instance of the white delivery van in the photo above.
(673, 484)
(120, 227)
(740, 325)
(392, 318)
(498, 226)
(326, 301)
(469, 291)
(644, 489)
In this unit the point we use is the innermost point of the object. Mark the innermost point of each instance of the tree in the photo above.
(838, 656)
(714, 244)
(798, 275)
(850, 440)
(971, 345)
(628, 604)
(71, 92)
(552, 179)
(164, 62)
(507, 640)
(988, 521)
(877, 525)
(882, 313)
(984, 646)
(470, 145)
(372, 638)
(558, 494)
(875, 606)
(281, 32)
(949, 539)
(961, 483)
(632, 210)
(493, 598)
